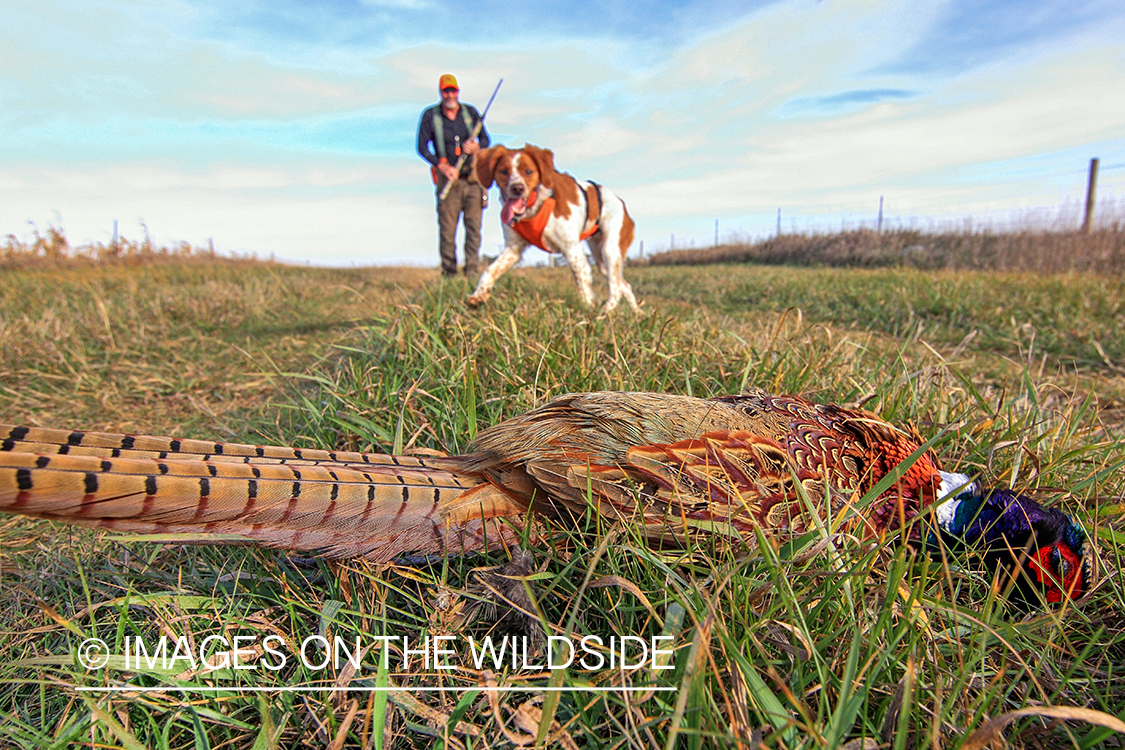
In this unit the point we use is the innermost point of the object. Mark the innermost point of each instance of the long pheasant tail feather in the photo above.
(341, 503)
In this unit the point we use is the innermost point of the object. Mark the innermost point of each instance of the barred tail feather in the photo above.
(343, 504)
(114, 445)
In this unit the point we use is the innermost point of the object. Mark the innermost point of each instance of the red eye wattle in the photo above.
(1054, 565)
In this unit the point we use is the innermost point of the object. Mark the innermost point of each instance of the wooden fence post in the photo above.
(1087, 224)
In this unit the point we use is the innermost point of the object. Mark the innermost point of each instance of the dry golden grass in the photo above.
(1100, 251)
(187, 346)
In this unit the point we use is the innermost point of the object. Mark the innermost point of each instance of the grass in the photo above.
(1101, 250)
(1072, 319)
(187, 346)
(818, 643)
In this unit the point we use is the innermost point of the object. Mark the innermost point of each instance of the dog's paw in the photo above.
(476, 300)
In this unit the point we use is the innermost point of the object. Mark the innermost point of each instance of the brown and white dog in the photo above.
(553, 211)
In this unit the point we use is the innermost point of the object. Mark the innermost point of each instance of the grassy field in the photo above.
(825, 642)
(1101, 250)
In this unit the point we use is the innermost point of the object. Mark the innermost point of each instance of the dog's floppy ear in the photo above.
(545, 160)
(486, 163)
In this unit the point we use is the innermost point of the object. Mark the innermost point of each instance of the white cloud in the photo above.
(293, 214)
(892, 146)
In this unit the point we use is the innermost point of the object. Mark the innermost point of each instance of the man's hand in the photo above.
(471, 147)
(448, 170)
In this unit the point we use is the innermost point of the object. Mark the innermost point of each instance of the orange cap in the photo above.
(447, 81)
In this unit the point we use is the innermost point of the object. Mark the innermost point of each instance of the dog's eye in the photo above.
(527, 172)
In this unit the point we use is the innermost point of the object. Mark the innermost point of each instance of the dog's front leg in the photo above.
(513, 251)
(583, 277)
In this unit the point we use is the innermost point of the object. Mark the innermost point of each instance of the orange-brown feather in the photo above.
(345, 504)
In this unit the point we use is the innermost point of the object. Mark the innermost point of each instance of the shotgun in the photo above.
(474, 134)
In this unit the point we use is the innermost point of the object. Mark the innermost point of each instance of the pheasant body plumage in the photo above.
(730, 460)
(681, 466)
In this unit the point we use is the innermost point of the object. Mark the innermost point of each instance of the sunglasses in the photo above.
(450, 90)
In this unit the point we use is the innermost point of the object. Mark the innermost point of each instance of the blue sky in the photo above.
(288, 127)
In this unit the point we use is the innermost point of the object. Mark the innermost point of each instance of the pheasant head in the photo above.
(1048, 550)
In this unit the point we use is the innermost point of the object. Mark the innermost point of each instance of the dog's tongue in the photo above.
(513, 208)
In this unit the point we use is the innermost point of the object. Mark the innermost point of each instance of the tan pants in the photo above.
(464, 198)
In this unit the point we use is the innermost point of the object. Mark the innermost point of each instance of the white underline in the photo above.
(361, 688)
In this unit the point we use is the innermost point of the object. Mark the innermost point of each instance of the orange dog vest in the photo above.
(532, 229)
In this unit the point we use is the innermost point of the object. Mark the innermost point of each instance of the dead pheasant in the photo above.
(681, 466)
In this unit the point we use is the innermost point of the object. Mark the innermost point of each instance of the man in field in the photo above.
(445, 133)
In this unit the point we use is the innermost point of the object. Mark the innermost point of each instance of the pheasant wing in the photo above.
(722, 482)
